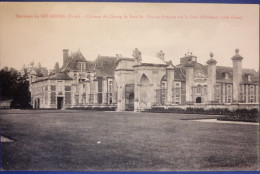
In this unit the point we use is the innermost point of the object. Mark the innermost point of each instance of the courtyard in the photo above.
(77, 140)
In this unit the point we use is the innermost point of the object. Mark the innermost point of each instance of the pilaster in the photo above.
(104, 91)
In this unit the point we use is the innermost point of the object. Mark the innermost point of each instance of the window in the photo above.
(177, 93)
(252, 99)
(163, 92)
(59, 86)
(226, 76)
(252, 94)
(163, 87)
(217, 90)
(46, 98)
(229, 90)
(109, 96)
(67, 97)
(110, 86)
(198, 90)
(217, 93)
(110, 89)
(252, 90)
(53, 88)
(249, 77)
(84, 98)
(67, 88)
(81, 66)
(91, 98)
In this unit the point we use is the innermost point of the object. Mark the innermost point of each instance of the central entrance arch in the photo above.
(198, 100)
(129, 97)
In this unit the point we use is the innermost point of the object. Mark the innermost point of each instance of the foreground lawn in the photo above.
(89, 140)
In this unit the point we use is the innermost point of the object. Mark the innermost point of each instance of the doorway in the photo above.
(60, 103)
(198, 100)
(129, 97)
(38, 105)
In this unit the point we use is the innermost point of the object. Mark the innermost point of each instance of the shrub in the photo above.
(251, 115)
(95, 108)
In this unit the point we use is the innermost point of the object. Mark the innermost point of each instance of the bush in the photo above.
(163, 110)
(239, 114)
(190, 110)
(94, 108)
(251, 115)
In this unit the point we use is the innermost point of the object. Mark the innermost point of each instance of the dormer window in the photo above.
(226, 76)
(249, 77)
(81, 66)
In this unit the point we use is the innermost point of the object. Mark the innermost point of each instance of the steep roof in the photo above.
(59, 76)
(180, 70)
(254, 76)
(73, 58)
(220, 74)
(105, 66)
(56, 76)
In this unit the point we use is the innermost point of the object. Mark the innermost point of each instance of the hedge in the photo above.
(94, 108)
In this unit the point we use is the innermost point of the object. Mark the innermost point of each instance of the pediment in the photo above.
(200, 75)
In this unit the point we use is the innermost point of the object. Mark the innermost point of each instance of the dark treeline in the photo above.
(14, 84)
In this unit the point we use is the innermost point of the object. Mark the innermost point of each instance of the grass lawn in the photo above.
(92, 140)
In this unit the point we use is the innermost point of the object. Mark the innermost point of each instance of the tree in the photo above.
(14, 86)
(56, 68)
(8, 78)
(39, 69)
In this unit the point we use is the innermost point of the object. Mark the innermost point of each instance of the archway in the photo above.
(163, 90)
(198, 100)
(129, 97)
(38, 106)
(144, 80)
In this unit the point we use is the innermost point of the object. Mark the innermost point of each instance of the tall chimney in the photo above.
(211, 80)
(237, 75)
(65, 56)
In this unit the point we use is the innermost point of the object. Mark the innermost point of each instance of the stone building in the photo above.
(143, 82)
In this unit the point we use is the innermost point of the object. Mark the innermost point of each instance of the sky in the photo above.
(34, 31)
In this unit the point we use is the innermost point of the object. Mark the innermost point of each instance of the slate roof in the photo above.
(74, 57)
(180, 72)
(254, 76)
(56, 76)
(105, 66)
(220, 74)
(59, 76)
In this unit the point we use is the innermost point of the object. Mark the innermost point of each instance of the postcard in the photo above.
(89, 86)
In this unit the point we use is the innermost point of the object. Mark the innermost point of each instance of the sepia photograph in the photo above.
(117, 86)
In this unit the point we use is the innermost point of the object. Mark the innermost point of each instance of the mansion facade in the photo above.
(142, 82)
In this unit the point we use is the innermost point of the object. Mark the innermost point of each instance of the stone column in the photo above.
(237, 75)
(104, 91)
(170, 84)
(87, 91)
(189, 81)
(211, 81)
(95, 92)
(137, 97)
(114, 94)
(119, 98)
